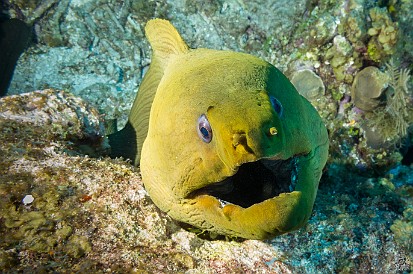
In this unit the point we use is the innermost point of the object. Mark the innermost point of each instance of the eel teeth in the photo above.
(294, 174)
(223, 203)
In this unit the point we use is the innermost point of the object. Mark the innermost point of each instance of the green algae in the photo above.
(45, 225)
(41, 226)
(403, 229)
(26, 4)
(78, 246)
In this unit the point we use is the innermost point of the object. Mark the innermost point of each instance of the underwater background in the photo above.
(63, 209)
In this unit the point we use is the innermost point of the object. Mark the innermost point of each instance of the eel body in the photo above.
(224, 141)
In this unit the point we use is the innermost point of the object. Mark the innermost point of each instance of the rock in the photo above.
(368, 86)
(28, 199)
(116, 228)
(63, 112)
(308, 84)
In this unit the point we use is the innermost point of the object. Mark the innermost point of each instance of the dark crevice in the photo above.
(408, 157)
(253, 183)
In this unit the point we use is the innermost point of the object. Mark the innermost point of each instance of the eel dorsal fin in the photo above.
(165, 42)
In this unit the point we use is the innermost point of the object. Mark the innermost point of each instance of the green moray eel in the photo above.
(224, 141)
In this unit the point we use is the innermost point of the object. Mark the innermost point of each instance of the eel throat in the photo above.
(254, 182)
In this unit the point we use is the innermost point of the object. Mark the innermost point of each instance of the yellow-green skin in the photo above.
(232, 89)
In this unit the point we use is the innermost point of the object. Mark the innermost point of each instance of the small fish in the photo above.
(224, 141)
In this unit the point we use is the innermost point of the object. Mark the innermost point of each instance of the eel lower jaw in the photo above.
(254, 183)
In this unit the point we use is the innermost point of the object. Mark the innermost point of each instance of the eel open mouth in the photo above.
(254, 182)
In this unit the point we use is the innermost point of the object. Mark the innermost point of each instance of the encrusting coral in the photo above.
(392, 121)
(383, 34)
(368, 86)
(397, 103)
(308, 84)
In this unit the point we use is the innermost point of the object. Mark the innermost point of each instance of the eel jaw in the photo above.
(262, 199)
(254, 182)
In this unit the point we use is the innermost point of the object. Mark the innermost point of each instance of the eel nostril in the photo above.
(239, 138)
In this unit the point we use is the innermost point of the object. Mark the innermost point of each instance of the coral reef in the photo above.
(90, 213)
(392, 120)
(397, 105)
(308, 84)
(97, 50)
(93, 214)
(383, 34)
(340, 56)
(403, 229)
(368, 86)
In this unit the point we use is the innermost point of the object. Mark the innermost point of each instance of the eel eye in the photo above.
(204, 129)
(277, 106)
